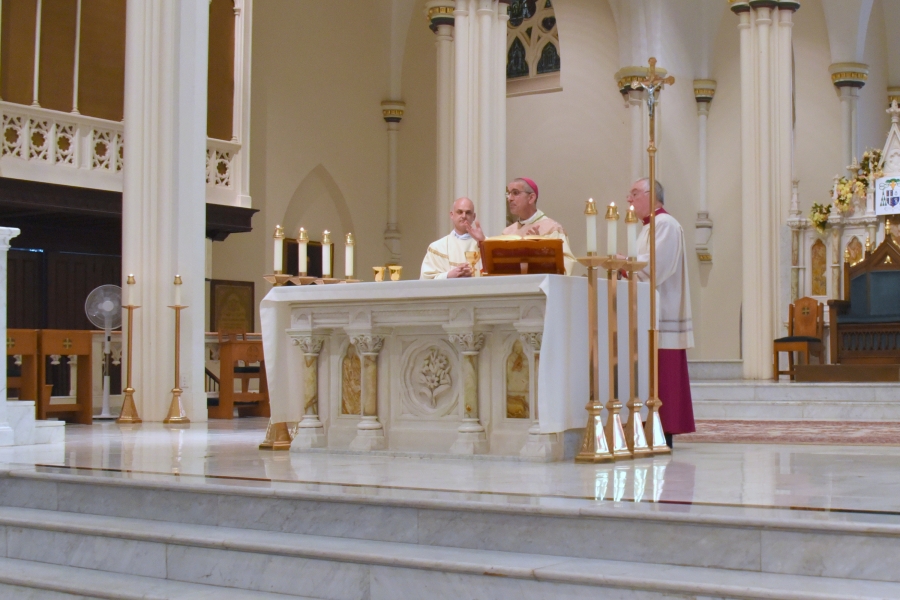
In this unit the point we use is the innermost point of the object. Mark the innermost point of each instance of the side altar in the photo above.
(493, 365)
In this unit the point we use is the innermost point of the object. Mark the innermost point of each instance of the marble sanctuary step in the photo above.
(787, 401)
(346, 544)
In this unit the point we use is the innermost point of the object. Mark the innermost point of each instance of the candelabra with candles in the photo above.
(129, 414)
(176, 414)
(280, 278)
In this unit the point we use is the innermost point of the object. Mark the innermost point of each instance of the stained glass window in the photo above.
(532, 39)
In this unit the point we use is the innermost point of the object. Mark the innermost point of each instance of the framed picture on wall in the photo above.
(231, 306)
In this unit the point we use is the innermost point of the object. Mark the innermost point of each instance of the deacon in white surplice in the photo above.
(446, 258)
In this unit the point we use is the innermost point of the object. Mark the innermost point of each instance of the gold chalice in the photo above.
(472, 257)
(379, 273)
(395, 272)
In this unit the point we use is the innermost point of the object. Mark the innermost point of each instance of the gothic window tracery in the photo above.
(532, 40)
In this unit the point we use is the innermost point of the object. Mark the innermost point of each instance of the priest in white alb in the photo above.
(676, 330)
(446, 258)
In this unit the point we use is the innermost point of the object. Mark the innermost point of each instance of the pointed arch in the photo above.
(318, 204)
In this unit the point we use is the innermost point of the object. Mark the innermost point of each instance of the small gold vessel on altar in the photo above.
(395, 272)
(472, 257)
(379, 273)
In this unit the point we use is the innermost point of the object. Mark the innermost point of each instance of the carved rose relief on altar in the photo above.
(517, 383)
(429, 378)
(351, 376)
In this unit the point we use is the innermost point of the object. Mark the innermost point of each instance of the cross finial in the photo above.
(67, 343)
(653, 84)
(894, 111)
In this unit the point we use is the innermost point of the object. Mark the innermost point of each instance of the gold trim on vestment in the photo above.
(441, 254)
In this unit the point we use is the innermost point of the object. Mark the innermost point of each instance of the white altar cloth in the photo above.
(563, 371)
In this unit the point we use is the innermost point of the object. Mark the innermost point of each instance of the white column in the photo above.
(369, 431)
(849, 78)
(767, 260)
(37, 55)
(638, 143)
(486, 90)
(6, 234)
(704, 90)
(392, 111)
(497, 199)
(461, 100)
(440, 14)
(472, 438)
(77, 58)
(240, 129)
(163, 202)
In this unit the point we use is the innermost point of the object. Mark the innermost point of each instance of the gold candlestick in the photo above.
(615, 432)
(653, 84)
(634, 427)
(129, 414)
(176, 415)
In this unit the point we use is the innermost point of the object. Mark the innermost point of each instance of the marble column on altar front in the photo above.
(310, 432)
(704, 90)
(472, 438)
(369, 431)
(164, 196)
(540, 445)
(849, 78)
(440, 16)
(7, 437)
(392, 111)
(766, 170)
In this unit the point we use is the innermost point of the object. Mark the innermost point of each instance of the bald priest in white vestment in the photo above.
(676, 330)
(446, 258)
(521, 197)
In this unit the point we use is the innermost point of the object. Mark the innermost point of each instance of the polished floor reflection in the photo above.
(814, 482)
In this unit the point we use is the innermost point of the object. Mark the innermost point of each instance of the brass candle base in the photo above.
(278, 437)
(129, 414)
(278, 279)
(176, 414)
(653, 430)
(634, 427)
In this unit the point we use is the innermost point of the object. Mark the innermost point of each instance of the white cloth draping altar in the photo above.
(411, 317)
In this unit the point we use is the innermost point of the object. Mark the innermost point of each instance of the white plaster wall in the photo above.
(319, 142)
(874, 122)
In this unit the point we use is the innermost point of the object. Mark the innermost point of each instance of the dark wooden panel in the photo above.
(70, 278)
(220, 76)
(25, 284)
(101, 74)
(17, 50)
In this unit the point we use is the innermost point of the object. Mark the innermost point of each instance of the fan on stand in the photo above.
(104, 310)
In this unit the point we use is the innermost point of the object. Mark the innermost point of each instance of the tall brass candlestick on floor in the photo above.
(653, 85)
(176, 414)
(615, 432)
(634, 428)
(129, 414)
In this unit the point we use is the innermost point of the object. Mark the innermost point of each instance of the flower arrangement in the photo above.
(819, 216)
(846, 189)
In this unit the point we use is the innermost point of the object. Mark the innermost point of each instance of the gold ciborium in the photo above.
(472, 257)
(379, 273)
(395, 272)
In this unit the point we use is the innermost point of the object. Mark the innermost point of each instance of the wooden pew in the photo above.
(67, 343)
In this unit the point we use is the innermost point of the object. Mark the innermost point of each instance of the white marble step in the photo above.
(354, 569)
(26, 580)
(776, 541)
(767, 400)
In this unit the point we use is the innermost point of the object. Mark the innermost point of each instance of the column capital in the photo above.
(309, 344)
(739, 6)
(367, 343)
(849, 74)
(626, 75)
(470, 342)
(6, 234)
(704, 90)
(440, 12)
(392, 110)
(893, 94)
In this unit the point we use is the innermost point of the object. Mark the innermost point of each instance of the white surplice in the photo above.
(676, 329)
(446, 253)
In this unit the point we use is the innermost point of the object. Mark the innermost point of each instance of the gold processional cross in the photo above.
(652, 84)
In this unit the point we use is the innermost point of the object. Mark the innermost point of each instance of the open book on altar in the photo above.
(515, 255)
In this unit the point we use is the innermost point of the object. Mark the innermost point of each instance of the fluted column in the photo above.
(472, 438)
(369, 432)
(392, 111)
(849, 78)
(634, 100)
(6, 234)
(310, 431)
(704, 90)
(461, 98)
(440, 16)
(164, 195)
(498, 52)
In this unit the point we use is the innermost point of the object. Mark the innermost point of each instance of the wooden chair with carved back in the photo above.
(234, 348)
(806, 332)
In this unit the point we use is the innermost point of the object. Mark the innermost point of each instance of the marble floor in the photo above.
(844, 483)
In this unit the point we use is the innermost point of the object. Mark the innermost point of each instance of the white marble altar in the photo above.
(437, 366)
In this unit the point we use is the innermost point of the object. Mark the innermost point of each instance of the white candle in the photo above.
(129, 290)
(612, 220)
(590, 212)
(631, 227)
(178, 290)
(279, 249)
(302, 245)
(348, 257)
(326, 254)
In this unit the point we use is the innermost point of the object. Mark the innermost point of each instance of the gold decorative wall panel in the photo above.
(350, 382)
(517, 383)
(819, 259)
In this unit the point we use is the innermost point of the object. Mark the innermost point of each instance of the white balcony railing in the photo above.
(39, 144)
